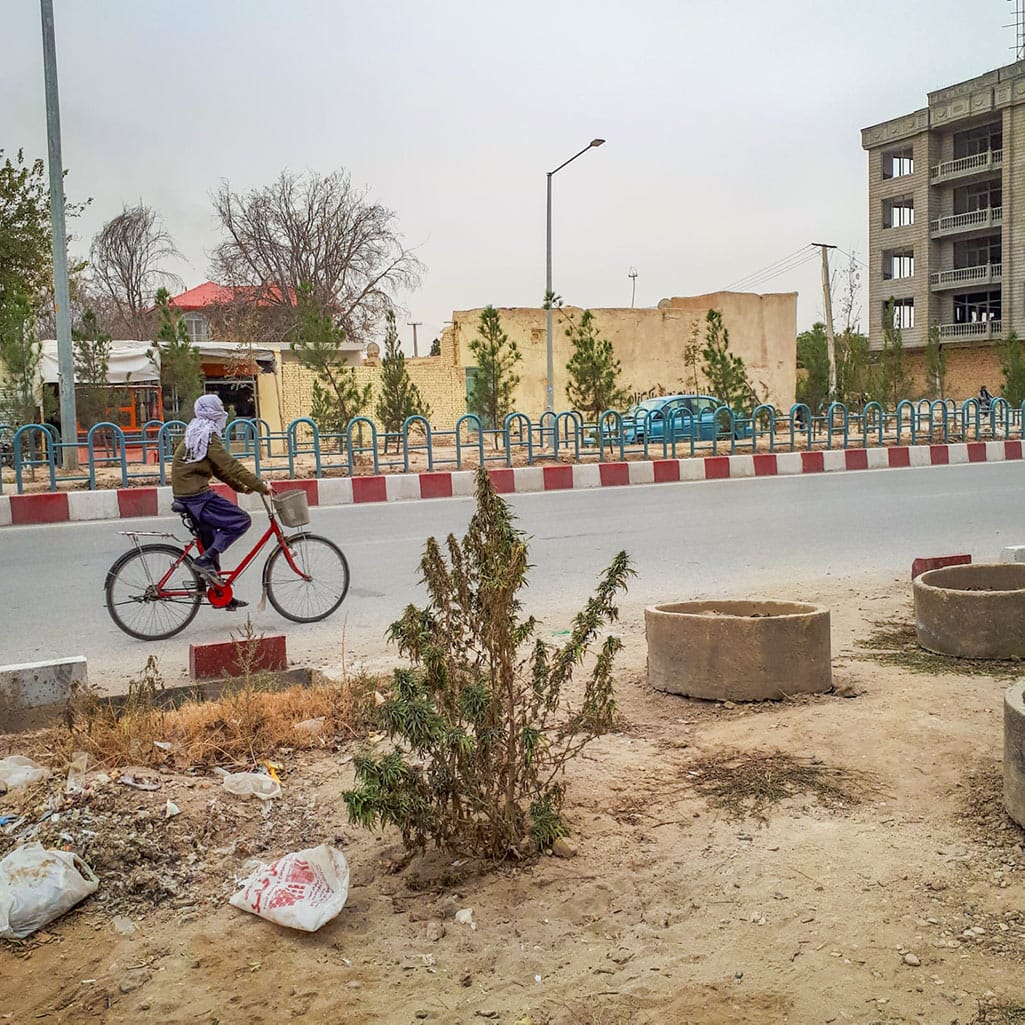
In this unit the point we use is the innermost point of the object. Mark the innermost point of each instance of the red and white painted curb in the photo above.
(123, 503)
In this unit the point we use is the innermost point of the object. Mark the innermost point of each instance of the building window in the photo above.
(898, 162)
(898, 263)
(979, 140)
(977, 252)
(981, 196)
(898, 212)
(198, 328)
(976, 307)
(903, 312)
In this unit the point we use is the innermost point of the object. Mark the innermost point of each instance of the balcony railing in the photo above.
(980, 330)
(974, 221)
(964, 166)
(985, 274)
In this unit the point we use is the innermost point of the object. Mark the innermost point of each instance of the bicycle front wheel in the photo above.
(319, 586)
(153, 592)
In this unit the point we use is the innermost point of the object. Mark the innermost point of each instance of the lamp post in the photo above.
(550, 390)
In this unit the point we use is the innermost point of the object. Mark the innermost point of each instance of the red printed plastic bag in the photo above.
(301, 890)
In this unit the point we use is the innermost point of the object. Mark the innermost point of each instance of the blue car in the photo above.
(685, 415)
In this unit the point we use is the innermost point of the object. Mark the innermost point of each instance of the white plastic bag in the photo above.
(76, 773)
(19, 771)
(302, 890)
(255, 784)
(39, 885)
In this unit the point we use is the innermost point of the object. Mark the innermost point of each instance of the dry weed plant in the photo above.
(249, 722)
(999, 1014)
(748, 784)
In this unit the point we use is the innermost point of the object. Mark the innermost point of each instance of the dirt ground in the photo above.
(904, 904)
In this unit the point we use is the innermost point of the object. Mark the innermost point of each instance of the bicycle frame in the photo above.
(229, 577)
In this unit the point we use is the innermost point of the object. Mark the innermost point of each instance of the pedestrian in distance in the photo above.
(984, 400)
(200, 456)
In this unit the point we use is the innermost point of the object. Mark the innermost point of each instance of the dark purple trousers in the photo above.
(221, 523)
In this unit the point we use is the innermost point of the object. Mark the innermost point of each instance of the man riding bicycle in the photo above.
(200, 456)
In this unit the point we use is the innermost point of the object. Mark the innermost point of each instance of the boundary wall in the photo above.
(129, 503)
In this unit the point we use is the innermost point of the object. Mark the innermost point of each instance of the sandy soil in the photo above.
(908, 907)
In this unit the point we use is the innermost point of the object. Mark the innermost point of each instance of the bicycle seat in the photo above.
(179, 507)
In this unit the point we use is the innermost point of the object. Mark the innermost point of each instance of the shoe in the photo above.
(207, 569)
(234, 605)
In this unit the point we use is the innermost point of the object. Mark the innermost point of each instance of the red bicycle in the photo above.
(153, 591)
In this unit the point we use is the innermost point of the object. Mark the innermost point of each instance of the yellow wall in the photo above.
(967, 370)
(649, 343)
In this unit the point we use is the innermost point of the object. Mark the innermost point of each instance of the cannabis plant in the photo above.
(482, 718)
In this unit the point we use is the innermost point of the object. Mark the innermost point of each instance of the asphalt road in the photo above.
(716, 538)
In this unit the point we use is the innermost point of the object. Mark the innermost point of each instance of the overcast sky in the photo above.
(733, 127)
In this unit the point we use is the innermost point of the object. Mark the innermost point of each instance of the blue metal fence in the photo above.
(31, 454)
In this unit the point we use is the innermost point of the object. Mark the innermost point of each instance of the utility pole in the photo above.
(633, 285)
(827, 299)
(414, 324)
(65, 354)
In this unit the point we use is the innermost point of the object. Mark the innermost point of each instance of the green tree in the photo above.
(26, 258)
(935, 366)
(483, 716)
(593, 370)
(337, 394)
(181, 379)
(20, 355)
(435, 347)
(691, 357)
(854, 369)
(496, 356)
(893, 383)
(399, 397)
(725, 372)
(813, 359)
(95, 399)
(1012, 367)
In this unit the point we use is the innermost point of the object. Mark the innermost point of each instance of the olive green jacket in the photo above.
(188, 479)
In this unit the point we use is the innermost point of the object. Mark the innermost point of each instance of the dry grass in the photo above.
(1000, 1014)
(246, 724)
(896, 644)
(744, 784)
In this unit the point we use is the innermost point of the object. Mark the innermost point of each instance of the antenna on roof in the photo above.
(1019, 28)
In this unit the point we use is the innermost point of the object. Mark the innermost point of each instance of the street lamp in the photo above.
(550, 390)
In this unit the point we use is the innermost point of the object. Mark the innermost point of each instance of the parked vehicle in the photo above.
(680, 417)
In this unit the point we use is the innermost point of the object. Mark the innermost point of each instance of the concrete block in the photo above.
(586, 475)
(691, 469)
(742, 466)
(213, 661)
(93, 505)
(919, 455)
(164, 500)
(789, 462)
(251, 503)
(995, 452)
(1013, 553)
(640, 472)
(463, 483)
(33, 684)
(834, 459)
(878, 458)
(401, 487)
(923, 565)
(5, 511)
(529, 478)
(957, 453)
(336, 491)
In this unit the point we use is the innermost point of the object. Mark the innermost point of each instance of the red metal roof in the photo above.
(210, 292)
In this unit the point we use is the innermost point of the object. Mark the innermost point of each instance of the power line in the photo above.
(777, 266)
(851, 256)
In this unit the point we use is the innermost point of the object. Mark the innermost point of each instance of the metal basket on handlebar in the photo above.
(292, 508)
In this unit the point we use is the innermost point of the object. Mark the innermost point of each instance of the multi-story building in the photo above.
(946, 203)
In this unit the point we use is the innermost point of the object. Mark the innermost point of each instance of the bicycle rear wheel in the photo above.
(153, 592)
(319, 587)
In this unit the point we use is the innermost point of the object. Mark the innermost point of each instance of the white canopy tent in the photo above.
(128, 364)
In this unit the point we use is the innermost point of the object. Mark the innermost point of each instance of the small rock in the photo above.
(912, 959)
(123, 926)
(465, 917)
(134, 981)
(562, 848)
(728, 704)
(435, 931)
(421, 1015)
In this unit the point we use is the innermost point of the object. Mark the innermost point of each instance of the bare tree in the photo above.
(319, 234)
(126, 257)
